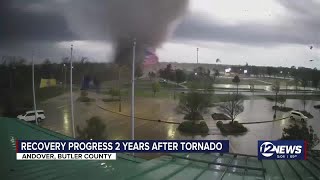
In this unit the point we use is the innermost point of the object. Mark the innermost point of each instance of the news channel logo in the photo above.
(282, 149)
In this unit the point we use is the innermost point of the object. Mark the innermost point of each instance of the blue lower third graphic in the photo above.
(282, 149)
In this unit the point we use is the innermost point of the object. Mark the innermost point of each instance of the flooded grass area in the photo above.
(119, 123)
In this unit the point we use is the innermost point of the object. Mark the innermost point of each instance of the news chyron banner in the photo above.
(282, 150)
(106, 150)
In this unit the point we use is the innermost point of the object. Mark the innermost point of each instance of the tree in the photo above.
(167, 73)
(180, 76)
(304, 83)
(297, 132)
(138, 72)
(202, 72)
(296, 77)
(155, 88)
(216, 74)
(252, 87)
(95, 130)
(192, 104)
(315, 78)
(151, 75)
(269, 71)
(114, 92)
(275, 89)
(255, 70)
(296, 83)
(232, 107)
(47, 69)
(282, 100)
(123, 75)
(236, 80)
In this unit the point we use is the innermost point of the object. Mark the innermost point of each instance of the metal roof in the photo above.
(12, 129)
(172, 166)
(225, 166)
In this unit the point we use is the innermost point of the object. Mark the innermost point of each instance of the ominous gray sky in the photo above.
(266, 32)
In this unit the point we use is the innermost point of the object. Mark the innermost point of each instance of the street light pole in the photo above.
(33, 91)
(175, 79)
(197, 55)
(65, 76)
(132, 88)
(119, 69)
(71, 94)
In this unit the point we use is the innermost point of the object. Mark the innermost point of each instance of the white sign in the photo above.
(66, 156)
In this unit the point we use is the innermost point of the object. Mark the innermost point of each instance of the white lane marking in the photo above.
(61, 106)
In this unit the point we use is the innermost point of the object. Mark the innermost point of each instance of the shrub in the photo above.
(219, 116)
(282, 109)
(83, 93)
(301, 132)
(219, 123)
(204, 127)
(231, 128)
(193, 116)
(85, 99)
(114, 92)
(190, 127)
(270, 98)
(95, 129)
(317, 106)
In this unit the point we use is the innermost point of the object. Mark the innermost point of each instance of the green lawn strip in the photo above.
(140, 92)
(49, 92)
(292, 96)
(242, 81)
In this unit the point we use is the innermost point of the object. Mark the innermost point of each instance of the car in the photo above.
(31, 116)
(296, 115)
(163, 81)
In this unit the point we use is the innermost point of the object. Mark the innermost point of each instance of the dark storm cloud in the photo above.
(22, 22)
(300, 26)
(120, 21)
(198, 27)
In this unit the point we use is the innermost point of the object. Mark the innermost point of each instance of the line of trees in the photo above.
(176, 75)
(16, 79)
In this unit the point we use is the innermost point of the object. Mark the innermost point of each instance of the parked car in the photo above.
(163, 81)
(31, 116)
(296, 115)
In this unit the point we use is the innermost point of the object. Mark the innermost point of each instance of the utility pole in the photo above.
(132, 88)
(71, 94)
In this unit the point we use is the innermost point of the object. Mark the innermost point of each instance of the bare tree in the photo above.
(192, 104)
(155, 86)
(275, 89)
(236, 80)
(232, 107)
(304, 83)
(282, 100)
